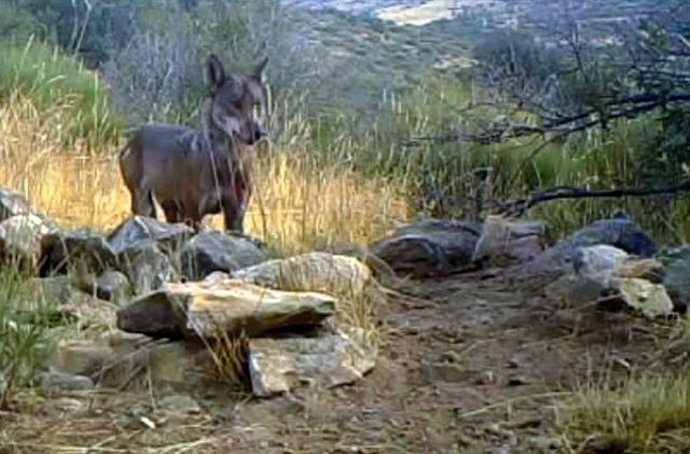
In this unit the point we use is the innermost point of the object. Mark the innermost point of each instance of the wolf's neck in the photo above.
(215, 138)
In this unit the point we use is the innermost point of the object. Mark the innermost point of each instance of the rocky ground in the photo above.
(478, 364)
(480, 345)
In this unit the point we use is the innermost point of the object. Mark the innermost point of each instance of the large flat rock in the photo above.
(226, 305)
(429, 248)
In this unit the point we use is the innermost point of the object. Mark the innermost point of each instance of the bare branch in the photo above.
(520, 207)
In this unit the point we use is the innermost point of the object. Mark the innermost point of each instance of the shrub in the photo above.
(52, 80)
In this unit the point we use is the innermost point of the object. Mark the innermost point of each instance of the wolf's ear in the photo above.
(216, 72)
(259, 72)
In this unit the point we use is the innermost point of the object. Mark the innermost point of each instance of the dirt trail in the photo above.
(476, 365)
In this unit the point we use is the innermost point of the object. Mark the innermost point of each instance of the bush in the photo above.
(52, 80)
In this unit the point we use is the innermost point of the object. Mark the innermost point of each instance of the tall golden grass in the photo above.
(296, 204)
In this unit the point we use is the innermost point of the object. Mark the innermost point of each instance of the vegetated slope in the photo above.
(373, 54)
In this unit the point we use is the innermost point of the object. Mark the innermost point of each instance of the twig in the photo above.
(479, 411)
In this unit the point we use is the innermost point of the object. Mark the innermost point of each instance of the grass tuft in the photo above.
(648, 413)
(26, 319)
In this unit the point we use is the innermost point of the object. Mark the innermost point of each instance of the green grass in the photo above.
(646, 414)
(595, 159)
(26, 318)
(56, 82)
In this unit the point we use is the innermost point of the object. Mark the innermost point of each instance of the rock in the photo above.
(139, 229)
(620, 232)
(429, 248)
(230, 305)
(81, 357)
(79, 249)
(598, 273)
(604, 271)
(278, 366)
(139, 362)
(13, 203)
(486, 378)
(182, 363)
(54, 381)
(601, 259)
(506, 242)
(109, 286)
(379, 268)
(216, 251)
(20, 240)
(312, 272)
(593, 277)
(147, 267)
(650, 299)
(649, 269)
(677, 277)
(120, 340)
(113, 286)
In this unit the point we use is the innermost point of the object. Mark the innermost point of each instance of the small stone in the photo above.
(517, 380)
(68, 405)
(113, 286)
(486, 378)
(81, 357)
(55, 381)
(180, 404)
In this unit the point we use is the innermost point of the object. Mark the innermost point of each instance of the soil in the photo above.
(477, 363)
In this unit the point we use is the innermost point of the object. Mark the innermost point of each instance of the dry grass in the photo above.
(297, 204)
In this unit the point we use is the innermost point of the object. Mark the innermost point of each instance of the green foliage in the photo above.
(55, 81)
(25, 321)
(16, 25)
(91, 30)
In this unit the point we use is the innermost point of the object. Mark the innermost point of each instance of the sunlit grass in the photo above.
(296, 203)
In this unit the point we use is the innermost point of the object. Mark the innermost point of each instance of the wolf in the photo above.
(192, 173)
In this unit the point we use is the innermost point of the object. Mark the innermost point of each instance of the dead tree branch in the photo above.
(520, 207)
